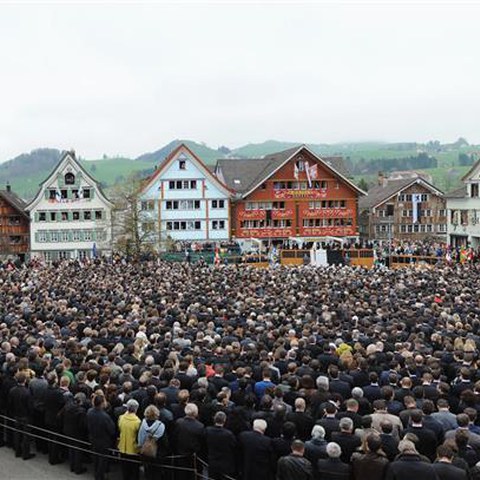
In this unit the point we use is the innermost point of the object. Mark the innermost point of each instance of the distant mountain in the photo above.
(207, 154)
(27, 171)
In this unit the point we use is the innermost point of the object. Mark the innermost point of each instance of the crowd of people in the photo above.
(187, 370)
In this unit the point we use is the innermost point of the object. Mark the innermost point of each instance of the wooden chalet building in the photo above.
(14, 225)
(403, 209)
(294, 194)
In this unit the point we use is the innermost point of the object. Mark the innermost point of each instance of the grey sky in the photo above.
(125, 79)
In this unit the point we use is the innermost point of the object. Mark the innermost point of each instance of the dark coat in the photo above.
(333, 469)
(75, 421)
(348, 443)
(54, 401)
(315, 449)
(427, 444)
(409, 467)
(189, 436)
(101, 429)
(293, 467)
(371, 466)
(20, 402)
(330, 425)
(446, 471)
(389, 445)
(304, 423)
(221, 447)
(257, 456)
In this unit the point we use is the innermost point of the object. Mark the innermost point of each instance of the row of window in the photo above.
(265, 206)
(407, 197)
(182, 185)
(149, 227)
(53, 236)
(294, 185)
(316, 205)
(423, 213)
(327, 222)
(65, 194)
(149, 205)
(10, 220)
(414, 228)
(265, 223)
(12, 239)
(65, 255)
(67, 216)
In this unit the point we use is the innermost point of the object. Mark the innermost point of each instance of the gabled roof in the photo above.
(380, 194)
(245, 175)
(69, 156)
(168, 160)
(15, 201)
(475, 166)
(460, 192)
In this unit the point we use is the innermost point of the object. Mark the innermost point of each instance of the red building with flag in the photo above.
(291, 194)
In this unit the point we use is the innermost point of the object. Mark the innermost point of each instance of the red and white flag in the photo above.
(314, 172)
(217, 256)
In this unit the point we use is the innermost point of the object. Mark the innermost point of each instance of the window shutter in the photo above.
(47, 194)
(92, 193)
(36, 237)
(36, 216)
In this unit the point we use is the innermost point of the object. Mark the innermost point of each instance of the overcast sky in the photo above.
(126, 79)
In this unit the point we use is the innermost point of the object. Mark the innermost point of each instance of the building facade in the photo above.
(463, 207)
(405, 209)
(70, 215)
(14, 226)
(291, 195)
(184, 201)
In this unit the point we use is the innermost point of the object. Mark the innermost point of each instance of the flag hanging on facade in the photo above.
(314, 172)
(307, 170)
(295, 171)
(417, 204)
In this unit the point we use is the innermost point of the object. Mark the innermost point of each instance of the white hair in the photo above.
(318, 431)
(334, 450)
(260, 425)
(191, 410)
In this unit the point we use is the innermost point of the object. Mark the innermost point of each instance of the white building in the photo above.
(183, 200)
(463, 205)
(70, 216)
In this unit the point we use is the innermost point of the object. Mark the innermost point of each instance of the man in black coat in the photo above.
(332, 468)
(189, 436)
(410, 465)
(346, 439)
(75, 426)
(257, 453)
(221, 446)
(444, 468)
(427, 444)
(101, 432)
(295, 466)
(20, 407)
(54, 402)
(302, 420)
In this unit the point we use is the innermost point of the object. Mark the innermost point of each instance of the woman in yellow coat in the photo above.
(128, 425)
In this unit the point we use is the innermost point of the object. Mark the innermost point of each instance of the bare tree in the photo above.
(132, 227)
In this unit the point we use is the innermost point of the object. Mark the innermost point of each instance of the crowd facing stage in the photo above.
(235, 372)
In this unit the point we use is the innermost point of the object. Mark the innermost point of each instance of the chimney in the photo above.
(9, 188)
(382, 179)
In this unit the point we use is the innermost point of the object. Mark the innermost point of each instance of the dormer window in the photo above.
(474, 190)
(69, 178)
(300, 165)
(182, 164)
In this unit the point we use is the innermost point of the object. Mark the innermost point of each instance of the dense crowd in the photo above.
(286, 373)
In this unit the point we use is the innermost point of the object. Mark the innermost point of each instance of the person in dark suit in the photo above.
(302, 420)
(329, 422)
(427, 444)
(373, 391)
(389, 441)
(221, 447)
(409, 464)
(101, 432)
(189, 439)
(295, 466)
(444, 468)
(54, 402)
(332, 468)
(346, 439)
(20, 407)
(336, 385)
(352, 413)
(257, 453)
